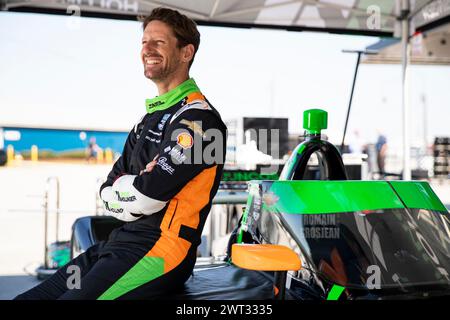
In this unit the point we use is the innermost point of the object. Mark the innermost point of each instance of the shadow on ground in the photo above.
(11, 286)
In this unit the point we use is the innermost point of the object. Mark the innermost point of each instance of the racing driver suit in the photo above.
(165, 209)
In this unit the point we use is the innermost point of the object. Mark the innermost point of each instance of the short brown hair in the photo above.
(184, 28)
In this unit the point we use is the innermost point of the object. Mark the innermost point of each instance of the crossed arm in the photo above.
(128, 197)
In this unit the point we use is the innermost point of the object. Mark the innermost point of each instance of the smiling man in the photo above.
(162, 185)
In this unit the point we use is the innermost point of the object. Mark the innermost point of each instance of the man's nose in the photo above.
(148, 47)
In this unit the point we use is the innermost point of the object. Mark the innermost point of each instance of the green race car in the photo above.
(322, 239)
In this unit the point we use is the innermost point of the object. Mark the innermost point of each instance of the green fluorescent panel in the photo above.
(319, 197)
(301, 148)
(335, 292)
(147, 269)
(418, 195)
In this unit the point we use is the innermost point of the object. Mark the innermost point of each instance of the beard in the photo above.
(160, 73)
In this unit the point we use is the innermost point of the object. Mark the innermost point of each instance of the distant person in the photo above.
(357, 144)
(381, 148)
(92, 150)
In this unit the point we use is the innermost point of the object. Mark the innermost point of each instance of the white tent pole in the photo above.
(405, 92)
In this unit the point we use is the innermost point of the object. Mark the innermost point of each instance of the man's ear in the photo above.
(188, 53)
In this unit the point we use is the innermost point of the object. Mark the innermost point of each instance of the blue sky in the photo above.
(55, 75)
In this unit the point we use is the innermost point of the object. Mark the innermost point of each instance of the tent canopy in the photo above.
(427, 48)
(340, 16)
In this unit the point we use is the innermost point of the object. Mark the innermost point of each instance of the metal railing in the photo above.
(46, 211)
(230, 198)
(98, 201)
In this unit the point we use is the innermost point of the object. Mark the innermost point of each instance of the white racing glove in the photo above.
(131, 200)
(113, 207)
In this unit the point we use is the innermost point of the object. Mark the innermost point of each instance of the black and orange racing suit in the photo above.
(156, 251)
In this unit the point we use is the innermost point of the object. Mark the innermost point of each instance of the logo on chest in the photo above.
(163, 121)
(155, 136)
(162, 162)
